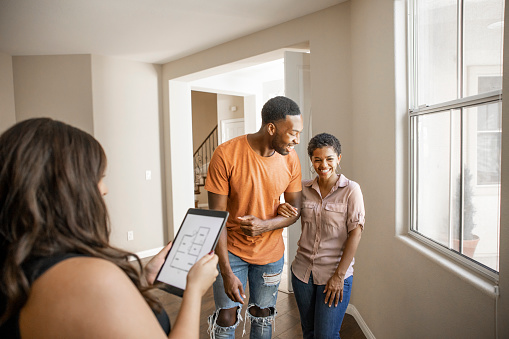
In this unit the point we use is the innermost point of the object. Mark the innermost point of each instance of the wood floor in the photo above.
(287, 320)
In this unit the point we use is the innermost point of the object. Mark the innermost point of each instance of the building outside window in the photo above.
(455, 99)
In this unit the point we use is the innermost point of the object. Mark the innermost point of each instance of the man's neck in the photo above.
(260, 143)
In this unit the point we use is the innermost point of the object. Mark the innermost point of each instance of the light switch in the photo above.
(148, 175)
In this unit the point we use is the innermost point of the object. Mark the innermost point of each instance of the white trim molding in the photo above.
(362, 324)
(147, 253)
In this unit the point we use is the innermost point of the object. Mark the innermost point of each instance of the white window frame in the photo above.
(463, 102)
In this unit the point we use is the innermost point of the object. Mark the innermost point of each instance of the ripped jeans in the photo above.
(263, 287)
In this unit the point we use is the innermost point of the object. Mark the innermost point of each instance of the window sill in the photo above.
(487, 285)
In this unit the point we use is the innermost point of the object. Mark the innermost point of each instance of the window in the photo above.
(455, 99)
(489, 134)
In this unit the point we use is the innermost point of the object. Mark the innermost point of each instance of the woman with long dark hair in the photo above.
(60, 276)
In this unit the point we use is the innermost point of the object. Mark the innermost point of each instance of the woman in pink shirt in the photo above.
(332, 218)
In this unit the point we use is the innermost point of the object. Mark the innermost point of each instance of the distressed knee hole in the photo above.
(272, 279)
(214, 328)
(260, 312)
(263, 322)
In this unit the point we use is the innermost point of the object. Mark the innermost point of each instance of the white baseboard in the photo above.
(362, 324)
(148, 253)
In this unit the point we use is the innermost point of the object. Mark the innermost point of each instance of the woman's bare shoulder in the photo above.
(83, 297)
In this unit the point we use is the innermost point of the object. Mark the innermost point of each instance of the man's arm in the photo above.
(254, 226)
(232, 285)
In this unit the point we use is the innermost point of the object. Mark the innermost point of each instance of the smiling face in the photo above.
(286, 134)
(325, 160)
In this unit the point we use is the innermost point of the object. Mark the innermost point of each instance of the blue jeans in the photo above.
(318, 320)
(263, 287)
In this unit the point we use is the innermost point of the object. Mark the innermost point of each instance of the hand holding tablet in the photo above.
(202, 275)
(196, 237)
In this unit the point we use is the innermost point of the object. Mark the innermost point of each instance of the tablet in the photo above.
(197, 236)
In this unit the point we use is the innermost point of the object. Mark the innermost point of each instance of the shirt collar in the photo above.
(342, 182)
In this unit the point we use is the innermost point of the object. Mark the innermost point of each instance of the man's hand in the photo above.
(233, 288)
(252, 225)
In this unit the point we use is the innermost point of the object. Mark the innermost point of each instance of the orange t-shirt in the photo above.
(253, 185)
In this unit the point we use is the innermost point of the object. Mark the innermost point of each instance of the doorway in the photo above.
(215, 119)
(290, 75)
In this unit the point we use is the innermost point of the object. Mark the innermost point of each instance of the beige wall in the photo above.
(7, 110)
(126, 122)
(118, 102)
(401, 289)
(204, 106)
(224, 104)
(204, 115)
(57, 86)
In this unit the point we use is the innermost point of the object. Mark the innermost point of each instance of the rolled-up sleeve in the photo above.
(356, 212)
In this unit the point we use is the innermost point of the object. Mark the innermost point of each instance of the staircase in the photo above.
(201, 159)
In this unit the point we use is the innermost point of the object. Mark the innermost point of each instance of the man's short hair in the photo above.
(278, 108)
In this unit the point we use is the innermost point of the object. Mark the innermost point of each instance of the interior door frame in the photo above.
(179, 193)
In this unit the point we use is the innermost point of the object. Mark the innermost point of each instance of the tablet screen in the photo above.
(196, 237)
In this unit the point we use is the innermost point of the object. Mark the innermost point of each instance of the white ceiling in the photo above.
(154, 31)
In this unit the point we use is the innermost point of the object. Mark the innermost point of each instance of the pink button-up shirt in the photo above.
(325, 225)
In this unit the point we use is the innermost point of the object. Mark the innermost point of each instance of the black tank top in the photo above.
(33, 270)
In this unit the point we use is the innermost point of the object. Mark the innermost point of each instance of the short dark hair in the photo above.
(278, 108)
(324, 140)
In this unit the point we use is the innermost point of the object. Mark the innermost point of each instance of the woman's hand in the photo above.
(334, 290)
(287, 210)
(203, 274)
(154, 265)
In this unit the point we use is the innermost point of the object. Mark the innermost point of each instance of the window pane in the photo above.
(489, 117)
(488, 141)
(481, 202)
(488, 158)
(436, 160)
(450, 207)
(437, 47)
(483, 41)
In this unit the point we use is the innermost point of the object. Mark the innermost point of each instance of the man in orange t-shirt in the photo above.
(246, 177)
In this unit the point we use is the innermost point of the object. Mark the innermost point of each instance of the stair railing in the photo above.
(201, 158)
